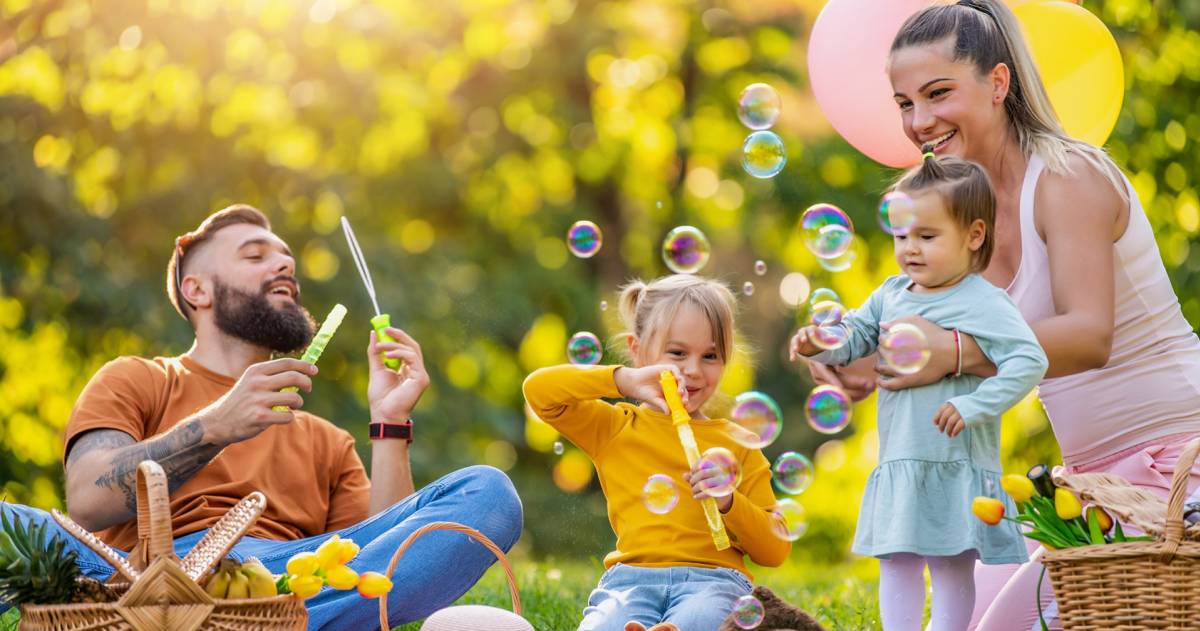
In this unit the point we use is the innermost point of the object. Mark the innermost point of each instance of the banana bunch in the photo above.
(248, 579)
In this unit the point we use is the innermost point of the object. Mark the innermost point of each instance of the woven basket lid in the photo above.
(474, 618)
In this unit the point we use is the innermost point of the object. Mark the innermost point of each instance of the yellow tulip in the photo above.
(988, 509)
(373, 585)
(330, 553)
(1066, 505)
(1019, 487)
(303, 564)
(347, 550)
(341, 577)
(1103, 519)
(305, 586)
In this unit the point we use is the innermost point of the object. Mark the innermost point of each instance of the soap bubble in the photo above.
(904, 347)
(759, 106)
(748, 288)
(827, 313)
(760, 267)
(748, 612)
(763, 154)
(790, 521)
(722, 463)
(792, 473)
(827, 409)
(827, 230)
(584, 239)
(685, 250)
(558, 448)
(584, 348)
(897, 213)
(758, 418)
(660, 494)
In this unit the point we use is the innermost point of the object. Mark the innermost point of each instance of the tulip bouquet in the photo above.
(1051, 515)
(308, 572)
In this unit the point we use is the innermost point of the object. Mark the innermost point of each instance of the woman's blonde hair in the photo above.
(986, 33)
(647, 310)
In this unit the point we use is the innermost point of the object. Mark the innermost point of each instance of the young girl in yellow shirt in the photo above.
(666, 567)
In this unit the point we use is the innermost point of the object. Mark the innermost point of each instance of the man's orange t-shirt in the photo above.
(313, 479)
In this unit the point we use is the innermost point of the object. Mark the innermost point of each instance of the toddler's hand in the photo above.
(948, 420)
(802, 344)
(695, 477)
(643, 384)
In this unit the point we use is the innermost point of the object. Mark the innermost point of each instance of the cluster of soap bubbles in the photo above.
(763, 153)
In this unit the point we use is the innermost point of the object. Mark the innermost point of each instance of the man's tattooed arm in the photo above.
(181, 452)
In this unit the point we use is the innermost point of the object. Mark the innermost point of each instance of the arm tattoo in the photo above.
(181, 452)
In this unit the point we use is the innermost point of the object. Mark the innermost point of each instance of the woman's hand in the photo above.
(696, 478)
(642, 384)
(856, 379)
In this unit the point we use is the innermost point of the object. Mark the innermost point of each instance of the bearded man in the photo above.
(218, 421)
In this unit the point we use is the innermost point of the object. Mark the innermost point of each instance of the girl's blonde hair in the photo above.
(648, 309)
(986, 33)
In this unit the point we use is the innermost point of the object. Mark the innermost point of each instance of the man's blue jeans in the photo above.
(432, 574)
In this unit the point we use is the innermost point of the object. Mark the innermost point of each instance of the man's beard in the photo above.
(251, 317)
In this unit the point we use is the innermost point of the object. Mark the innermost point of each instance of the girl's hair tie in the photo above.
(928, 155)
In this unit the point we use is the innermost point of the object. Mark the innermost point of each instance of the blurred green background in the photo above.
(462, 139)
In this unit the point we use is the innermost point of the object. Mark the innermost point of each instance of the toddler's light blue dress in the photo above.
(918, 498)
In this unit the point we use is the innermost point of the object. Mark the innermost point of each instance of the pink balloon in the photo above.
(847, 59)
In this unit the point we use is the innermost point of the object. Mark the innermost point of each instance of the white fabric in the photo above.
(475, 618)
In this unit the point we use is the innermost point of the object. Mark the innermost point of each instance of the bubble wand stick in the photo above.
(381, 321)
(680, 417)
(318, 344)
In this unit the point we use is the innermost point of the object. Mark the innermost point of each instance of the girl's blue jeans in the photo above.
(432, 574)
(693, 598)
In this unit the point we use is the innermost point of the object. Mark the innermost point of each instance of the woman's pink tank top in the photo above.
(1150, 386)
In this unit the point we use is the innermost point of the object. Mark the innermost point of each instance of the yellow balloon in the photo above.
(1080, 66)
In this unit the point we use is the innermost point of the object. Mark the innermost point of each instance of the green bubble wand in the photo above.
(318, 344)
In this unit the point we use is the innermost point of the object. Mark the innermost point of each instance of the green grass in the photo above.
(841, 597)
(553, 593)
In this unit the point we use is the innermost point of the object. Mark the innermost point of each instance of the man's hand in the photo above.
(245, 411)
(948, 420)
(392, 394)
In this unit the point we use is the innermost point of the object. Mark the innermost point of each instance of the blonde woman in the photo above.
(665, 567)
(1076, 253)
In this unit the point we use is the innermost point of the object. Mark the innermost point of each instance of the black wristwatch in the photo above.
(402, 431)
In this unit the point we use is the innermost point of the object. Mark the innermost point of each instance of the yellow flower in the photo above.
(1019, 487)
(347, 550)
(373, 585)
(302, 564)
(305, 586)
(341, 577)
(1066, 505)
(988, 509)
(1103, 519)
(330, 553)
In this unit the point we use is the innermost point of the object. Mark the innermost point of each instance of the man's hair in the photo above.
(184, 244)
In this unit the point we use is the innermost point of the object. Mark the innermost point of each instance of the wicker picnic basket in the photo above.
(1132, 585)
(454, 527)
(158, 591)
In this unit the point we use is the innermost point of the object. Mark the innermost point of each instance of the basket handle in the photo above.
(455, 527)
(153, 514)
(1179, 483)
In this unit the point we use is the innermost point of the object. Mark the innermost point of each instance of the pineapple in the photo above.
(36, 572)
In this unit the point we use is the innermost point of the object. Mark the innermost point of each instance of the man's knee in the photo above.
(504, 513)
